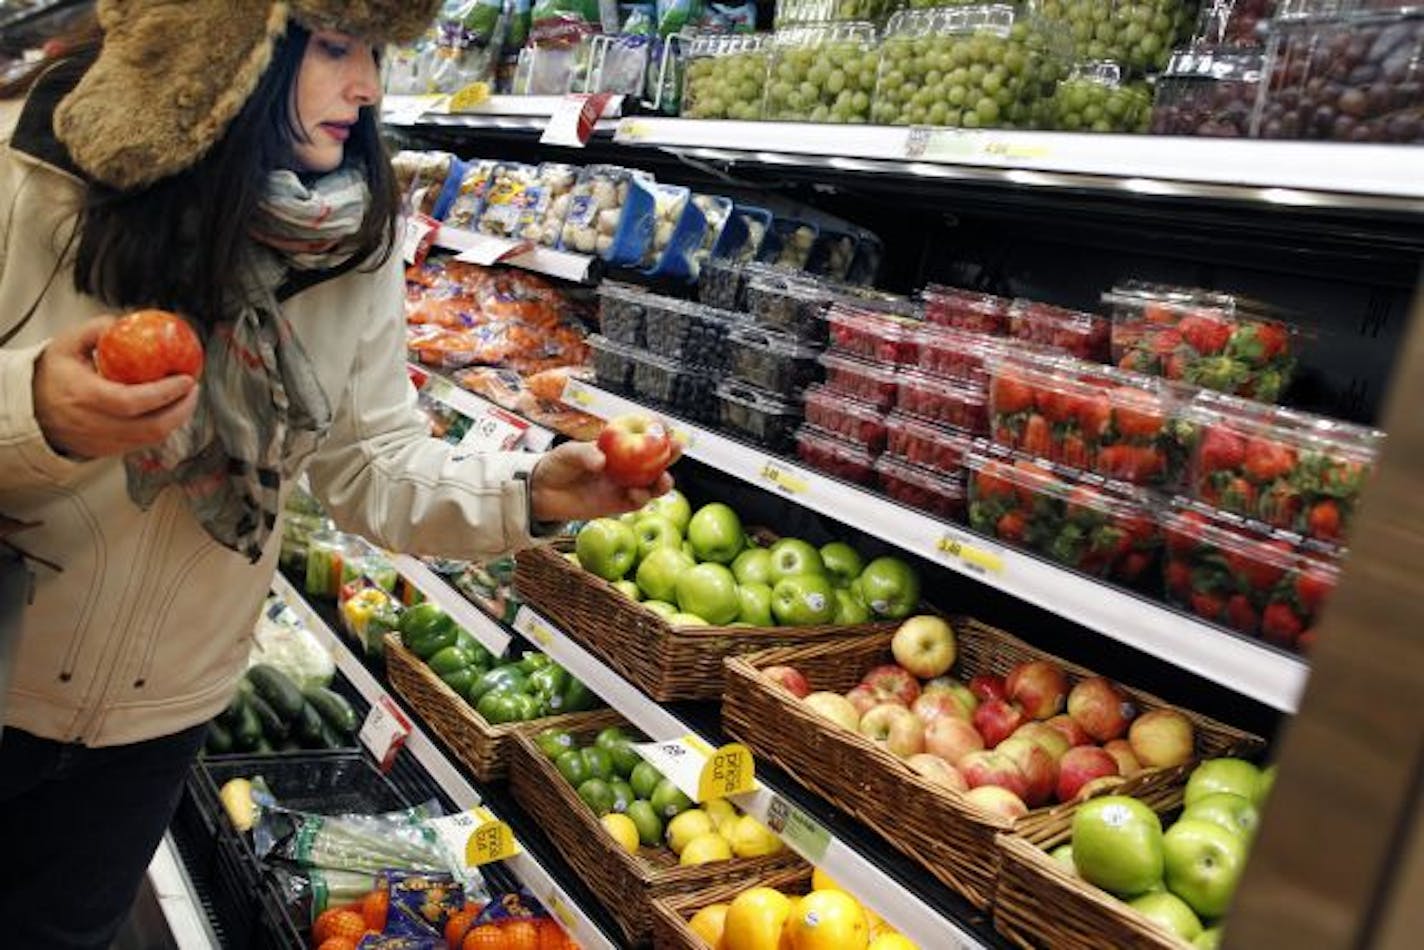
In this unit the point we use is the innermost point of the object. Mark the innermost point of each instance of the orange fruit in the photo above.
(551, 935)
(375, 907)
(484, 937)
(337, 943)
(338, 922)
(708, 923)
(755, 919)
(458, 925)
(521, 935)
(828, 920)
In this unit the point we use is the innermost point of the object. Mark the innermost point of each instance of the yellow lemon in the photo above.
(708, 923)
(622, 829)
(821, 881)
(705, 848)
(755, 919)
(829, 920)
(751, 839)
(892, 941)
(876, 923)
(721, 812)
(690, 824)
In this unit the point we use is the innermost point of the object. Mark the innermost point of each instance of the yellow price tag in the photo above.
(576, 394)
(783, 479)
(975, 558)
(492, 840)
(561, 911)
(729, 771)
(471, 97)
(630, 130)
(1015, 150)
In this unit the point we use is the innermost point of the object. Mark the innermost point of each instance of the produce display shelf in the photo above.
(1245, 666)
(178, 900)
(533, 875)
(565, 265)
(536, 438)
(496, 112)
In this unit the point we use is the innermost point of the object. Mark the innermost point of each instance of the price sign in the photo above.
(631, 130)
(699, 771)
(488, 250)
(407, 110)
(419, 235)
(576, 395)
(806, 836)
(475, 837)
(783, 479)
(575, 117)
(529, 624)
(384, 731)
(494, 430)
(556, 906)
(970, 553)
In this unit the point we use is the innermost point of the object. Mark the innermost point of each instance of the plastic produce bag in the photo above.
(469, 44)
(421, 903)
(364, 843)
(287, 646)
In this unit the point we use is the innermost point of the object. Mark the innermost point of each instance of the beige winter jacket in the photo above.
(148, 628)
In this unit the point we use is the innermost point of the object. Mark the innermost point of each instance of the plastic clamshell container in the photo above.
(721, 283)
(922, 489)
(596, 209)
(512, 201)
(1101, 528)
(717, 211)
(556, 181)
(832, 254)
(1216, 341)
(794, 12)
(789, 302)
(870, 383)
(691, 333)
(1287, 469)
(622, 312)
(1087, 336)
(725, 76)
(1237, 24)
(1208, 92)
(789, 243)
(951, 402)
(650, 219)
(967, 310)
(865, 266)
(464, 197)
(959, 354)
(1095, 97)
(846, 418)
(612, 363)
(822, 72)
(758, 416)
(863, 332)
(824, 452)
(746, 228)
(675, 250)
(687, 390)
(927, 444)
(773, 361)
(1137, 34)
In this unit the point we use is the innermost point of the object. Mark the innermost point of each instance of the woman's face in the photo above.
(338, 76)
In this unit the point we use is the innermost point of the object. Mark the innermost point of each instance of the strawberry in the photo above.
(1267, 461)
(1011, 528)
(1205, 333)
(1324, 521)
(1084, 505)
(1139, 361)
(1220, 451)
(991, 484)
(1058, 406)
(1178, 577)
(1206, 605)
(1239, 495)
(1260, 564)
(1115, 461)
(1312, 586)
(1094, 413)
(1281, 505)
(1160, 314)
(1280, 625)
(1343, 479)
(1175, 367)
(1306, 641)
(1274, 339)
(1134, 565)
(1073, 451)
(1165, 343)
(1185, 533)
(1145, 463)
(1010, 395)
(1138, 415)
(1241, 615)
(1037, 436)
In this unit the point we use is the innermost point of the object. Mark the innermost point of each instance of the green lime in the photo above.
(622, 795)
(668, 800)
(644, 779)
(649, 825)
(554, 742)
(625, 758)
(598, 761)
(597, 794)
(572, 767)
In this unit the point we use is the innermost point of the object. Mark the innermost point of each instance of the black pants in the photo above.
(78, 828)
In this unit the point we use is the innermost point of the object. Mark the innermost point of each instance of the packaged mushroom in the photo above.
(470, 199)
(717, 211)
(651, 220)
(511, 200)
(556, 182)
(742, 237)
(595, 209)
(789, 243)
(420, 177)
(831, 255)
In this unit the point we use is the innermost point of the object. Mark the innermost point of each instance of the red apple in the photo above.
(932, 706)
(1162, 738)
(1127, 763)
(864, 699)
(952, 739)
(146, 346)
(893, 684)
(1101, 708)
(876, 723)
(1039, 687)
(1079, 767)
(997, 801)
(992, 768)
(996, 720)
(907, 736)
(834, 707)
(987, 686)
(937, 770)
(636, 449)
(1052, 741)
(1039, 770)
(949, 686)
(1067, 727)
(925, 646)
(790, 679)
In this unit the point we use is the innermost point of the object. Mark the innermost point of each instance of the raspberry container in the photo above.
(691, 333)
(924, 490)
(1208, 92)
(959, 354)
(959, 404)
(967, 310)
(868, 382)
(612, 363)
(926, 444)
(622, 309)
(725, 76)
(758, 416)
(860, 331)
(824, 452)
(1084, 335)
(846, 418)
(777, 362)
(791, 303)
(687, 390)
(1244, 575)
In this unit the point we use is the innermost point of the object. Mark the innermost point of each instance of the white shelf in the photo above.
(507, 112)
(418, 744)
(536, 438)
(1251, 669)
(565, 265)
(177, 900)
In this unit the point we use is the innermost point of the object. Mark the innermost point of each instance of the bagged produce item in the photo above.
(859, 331)
(564, 22)
(421, 903)
(823, 73)
(848, 419)
(365, 843)
(946, 401)
(761, 417)
(367, 614)
(1208, 92)
(1095, 98)
(725, 76)
(967, 310)
(844, 460)
(673, 16)
(470, 35)
(280, 640)
(420, 177)
(513, 201)
(922, 489)
(312, 891)
(618, 64)
(649, 223)
(926, 444)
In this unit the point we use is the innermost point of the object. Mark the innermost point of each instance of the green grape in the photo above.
(725, 86)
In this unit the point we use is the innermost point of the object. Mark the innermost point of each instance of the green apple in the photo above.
(630, 518)
(1209, 939)
(1063, 854)
(673, 506)
(606, 547)
(756, 605)
(690, 551)
(655, 531)
(753, 566)
(842, 561)
(1235, 776)
(710, 592)
(686, 620)
(1264, 786)
(1231, 812)
(1203, 862)
(660, 607)
(850, 609)
(804, 600)
(628, 589)
(657, 575)
(1117, 845)
(1169, 911)
(792, 557)
(715, 533)
(890, 588)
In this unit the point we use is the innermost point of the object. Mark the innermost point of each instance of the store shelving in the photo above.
(484, 248)
(496, 112)
(177, 899)
(1245, 666)
(12, 18)
(535, 438)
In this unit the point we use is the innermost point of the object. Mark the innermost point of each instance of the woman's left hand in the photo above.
(568, 484)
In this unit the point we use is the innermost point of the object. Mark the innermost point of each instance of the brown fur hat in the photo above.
(173, 74)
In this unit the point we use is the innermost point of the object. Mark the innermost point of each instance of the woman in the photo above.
(224, 161)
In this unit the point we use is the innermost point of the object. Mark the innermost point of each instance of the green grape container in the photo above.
(725, 76)
(822, 73)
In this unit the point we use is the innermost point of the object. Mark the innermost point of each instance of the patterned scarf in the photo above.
(262, 411)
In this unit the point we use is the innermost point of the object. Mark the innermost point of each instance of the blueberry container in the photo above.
(777, 362)
(790, 303)
(612, 363)
(691, 333)
(622, 310)
(721, 282)
(686, 390)
(758, 416)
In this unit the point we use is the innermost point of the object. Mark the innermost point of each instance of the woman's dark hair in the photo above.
(174, 244)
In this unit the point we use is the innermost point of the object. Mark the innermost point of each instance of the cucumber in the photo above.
(334, 709)
(279, 691)
(245, 687)
(248, 730)
(229, 717)
(263, 746)
(308, 725)
(274, 727)
(219, 741)
(330, 739)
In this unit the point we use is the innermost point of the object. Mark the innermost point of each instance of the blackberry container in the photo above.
(758, 416)
(686, 390)
(691, 333)
(777, 362)
(612, 363)
(622, 310)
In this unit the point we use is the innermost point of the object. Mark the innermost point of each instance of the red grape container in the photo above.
(824, 452)
(1244, 575)
(1233, 23)
(924, 490)
(1288, 469)
(1084, 335)
(967, 310)
(849, 419)
(866, 333)
(927, 444)
(1208, 92)
(868, 382)
(952, 402)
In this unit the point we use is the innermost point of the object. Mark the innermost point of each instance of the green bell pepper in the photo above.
(499, 707)
(426, 630)
(502, 678)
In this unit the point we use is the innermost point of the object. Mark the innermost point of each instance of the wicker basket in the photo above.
(625, 883)
(667, 663)
(671, 914)
(1039, 903)
(483, 748)
(933, 825)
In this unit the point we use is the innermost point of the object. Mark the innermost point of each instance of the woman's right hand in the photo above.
(84, 415)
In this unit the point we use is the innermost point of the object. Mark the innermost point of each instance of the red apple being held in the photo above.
(1052, 741)
(1079, 767)
(864, 699)
(925, 646)
(992, 768)
(1067, 727)
(1162, 738)
(932, 706)
(1040, 687)
(146, 346)
(997, 801)
(1039, 770)
(636, 449)
(877, 722)
(952, 739)
(987, 686)
(893, 684)
(949, 686)
(996, 720)
(907, 736)
(790, 679)
(836, 708)
(1121, 750)
(937, 770)
(1101, 708)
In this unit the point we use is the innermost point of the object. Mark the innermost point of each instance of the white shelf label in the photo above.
(407, 110)
(575, 117)
(475, 837)
(699, 771)
(488, 250)
(384, 731)
(418, 236)
(783, 479)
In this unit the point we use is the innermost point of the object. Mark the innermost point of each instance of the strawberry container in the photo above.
(1288, 469)
(1244, 575)
(863, 332)
(846, 418)
(924, 490)
(686, 390)
(1084, 335)
(868, 382)
(959, 354)
(777, 362)
(791, 303)
(824, 452)
(612, 363)
(1102, 528)
(967, 310)
(621, 312)
(758, 416)
(1216, 341)
(691, 333)
(952, 402)
(927, 444)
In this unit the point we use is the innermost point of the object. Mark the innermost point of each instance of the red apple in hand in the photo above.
(1079, 767)
(1162, 738)
(996, 720)
(893, 683)
(987, 686)
(790, 679)
(1101, 708)
(952, 739)
(637, 449)
(146, 346)
(1039, 687)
